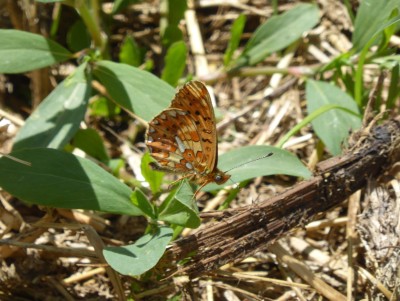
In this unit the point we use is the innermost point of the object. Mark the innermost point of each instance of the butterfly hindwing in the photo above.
(174, 142)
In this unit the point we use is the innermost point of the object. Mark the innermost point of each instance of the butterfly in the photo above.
(183, 138)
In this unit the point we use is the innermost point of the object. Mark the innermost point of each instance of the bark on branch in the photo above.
(258, 225)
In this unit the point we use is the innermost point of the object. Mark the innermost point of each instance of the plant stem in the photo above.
(91, 19)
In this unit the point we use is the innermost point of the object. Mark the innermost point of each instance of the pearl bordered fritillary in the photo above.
(183, 137)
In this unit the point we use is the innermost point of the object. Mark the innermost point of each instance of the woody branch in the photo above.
(257, 226)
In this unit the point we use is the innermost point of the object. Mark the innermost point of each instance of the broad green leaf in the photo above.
(175, 63)
(78, 37)
(56, 120)
(153, 177)
(334, 126)
(180, 207)
(134, 89)
(130, 52)
(135, 259)
(91, 143)
(236, 33)
(140, 201)
(370, 16)
(59, 179)
(22, 51)
(279, 32)
(244, 163)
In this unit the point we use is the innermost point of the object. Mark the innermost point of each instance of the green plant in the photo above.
(332, 112)
(60, 179)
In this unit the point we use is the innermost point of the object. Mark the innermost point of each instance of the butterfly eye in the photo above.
(218, 178)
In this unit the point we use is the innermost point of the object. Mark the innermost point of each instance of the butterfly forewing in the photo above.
(195, 99)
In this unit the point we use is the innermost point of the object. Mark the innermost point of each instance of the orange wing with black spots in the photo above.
(183, 137)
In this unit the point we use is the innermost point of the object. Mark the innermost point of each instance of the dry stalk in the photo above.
(256, 227)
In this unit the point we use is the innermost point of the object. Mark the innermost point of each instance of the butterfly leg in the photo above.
(198, 189)
(189, 176)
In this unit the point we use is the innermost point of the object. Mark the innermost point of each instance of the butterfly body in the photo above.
(183, 137)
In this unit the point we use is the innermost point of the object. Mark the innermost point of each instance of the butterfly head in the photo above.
(220, 177)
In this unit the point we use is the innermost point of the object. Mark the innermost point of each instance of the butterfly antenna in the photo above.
(235, 184)
(262, 157)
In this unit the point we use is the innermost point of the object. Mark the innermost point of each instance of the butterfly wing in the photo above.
(183, 137)
(174, 141)
(195, 99)
(162, 144)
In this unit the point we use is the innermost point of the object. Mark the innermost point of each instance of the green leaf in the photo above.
(140, 200)
(153, 177)
(359, 86)
(172, 13)
(130, 52)
(103, 107)
(91, 143)
(172, 34)
(175, 63)
(134, 89)
(180, 207)
(370, 16)
(279, 32)
(56, 120)
(62, 180)
(78, 37)
(236, 33)
(388, 61)
(176, 11)
(22, 51)
(148, 65)
(309, 118)
(348, 81)
(334, 126)
(343, 59)
(389, 31)
(116, 165)
(135, 259)
(244, 163)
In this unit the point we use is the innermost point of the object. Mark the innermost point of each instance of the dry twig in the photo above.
(257, 226)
